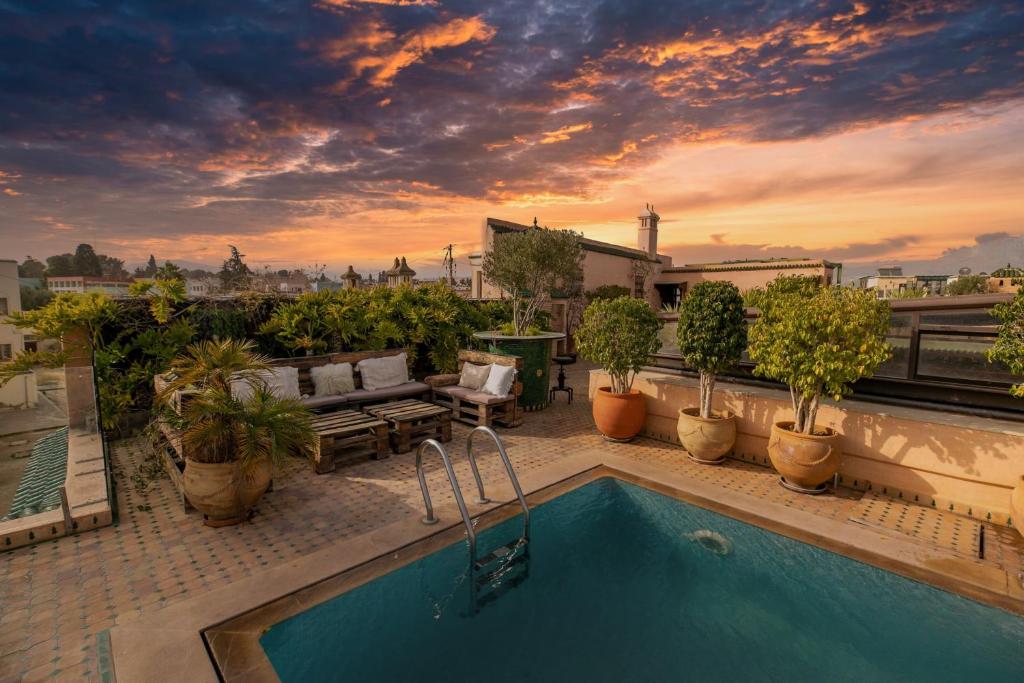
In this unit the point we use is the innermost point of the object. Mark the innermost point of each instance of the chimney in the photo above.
(647, 231)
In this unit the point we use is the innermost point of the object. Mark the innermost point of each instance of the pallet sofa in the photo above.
(475, 407)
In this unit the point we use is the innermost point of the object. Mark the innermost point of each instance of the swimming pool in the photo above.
(626, 584)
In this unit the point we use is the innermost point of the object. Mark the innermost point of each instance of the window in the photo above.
(5, 352)
(3, 305)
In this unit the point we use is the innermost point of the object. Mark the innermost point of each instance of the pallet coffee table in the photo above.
(412, 421)
(348, 435)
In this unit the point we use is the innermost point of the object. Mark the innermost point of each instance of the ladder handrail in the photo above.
(430, 518)
(508, 468)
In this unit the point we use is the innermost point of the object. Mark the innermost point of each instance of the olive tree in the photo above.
(619, 335)
(1008, 348)
(711, 333)
(818, 341)
(530, 265)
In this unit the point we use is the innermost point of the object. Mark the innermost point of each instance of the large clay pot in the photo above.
(619, 417)
(706, 440)
(224, 492)
(1017, 506)
(805, 461)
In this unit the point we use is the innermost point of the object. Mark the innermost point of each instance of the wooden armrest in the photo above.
(442, 380)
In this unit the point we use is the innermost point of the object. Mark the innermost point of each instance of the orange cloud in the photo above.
(342, 4)
(564, 133)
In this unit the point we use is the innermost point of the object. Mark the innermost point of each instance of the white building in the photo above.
(20, 391)
(199, 287)
(80, 284)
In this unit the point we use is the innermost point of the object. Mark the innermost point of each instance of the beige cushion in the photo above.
(381, 373)
(499, 380)
(332, 379)
(464, 394)
(473, 376)
(282, 382)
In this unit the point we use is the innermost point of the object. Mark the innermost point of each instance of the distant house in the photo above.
(283, 282)
(1007, 279)
(20, 391)
(80, 284)
(890, 282)
(202, 286)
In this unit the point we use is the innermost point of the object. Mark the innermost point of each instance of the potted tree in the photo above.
(529, 266)
(232, 441)
(1008, 349)
(711, 335)
(818, 341)
(620, 335)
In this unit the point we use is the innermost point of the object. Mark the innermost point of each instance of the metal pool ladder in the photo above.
(507, 565)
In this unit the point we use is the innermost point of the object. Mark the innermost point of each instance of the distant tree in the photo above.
(86, 262)
(151, 267)
(234, 274)
(112, 267)
(169, 271)
(283, 272)
(910, 292)
(968, 284)
(34, 297)
(31, 268)
(60, 264)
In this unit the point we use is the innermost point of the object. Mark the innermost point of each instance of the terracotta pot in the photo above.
(805, 461)
(706, 440)
(223, 492)
(1017, 506)
(619, 417)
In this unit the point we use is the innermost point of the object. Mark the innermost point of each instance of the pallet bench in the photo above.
(412, 421)
(346, 436)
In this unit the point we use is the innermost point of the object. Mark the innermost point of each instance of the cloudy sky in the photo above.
(351, 131)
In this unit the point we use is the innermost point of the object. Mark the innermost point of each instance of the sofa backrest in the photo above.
(305, 364)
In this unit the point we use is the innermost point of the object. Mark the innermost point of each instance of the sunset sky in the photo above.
(352, 131)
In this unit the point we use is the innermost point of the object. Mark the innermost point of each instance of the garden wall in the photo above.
(957, 462)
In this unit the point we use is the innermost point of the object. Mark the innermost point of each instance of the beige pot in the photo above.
(805, 461)
(1017, 506)
(706, 440)
(223, 492)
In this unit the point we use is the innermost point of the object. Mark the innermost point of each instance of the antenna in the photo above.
(448, 265)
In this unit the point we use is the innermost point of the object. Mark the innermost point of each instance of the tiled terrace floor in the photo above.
(57, 596)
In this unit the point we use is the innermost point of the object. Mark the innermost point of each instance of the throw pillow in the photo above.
(333, 379)
(282, 382)
(499, 380)
(474, 376)
(381, 373)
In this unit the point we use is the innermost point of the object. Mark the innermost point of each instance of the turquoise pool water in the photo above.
(622, 587)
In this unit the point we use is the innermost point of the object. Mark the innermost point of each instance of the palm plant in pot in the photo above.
(620, 335)
(817, 341)
(232, 439)
(711, 335)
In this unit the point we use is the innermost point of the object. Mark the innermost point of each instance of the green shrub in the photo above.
(620, 335)
(817, 341)
(1008, 348)
(711, 333)
(608, 292)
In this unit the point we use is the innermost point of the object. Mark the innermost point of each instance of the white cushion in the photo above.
(333, 379)
(474, 376)
(381, 373)
(283, 382)
(499, 380)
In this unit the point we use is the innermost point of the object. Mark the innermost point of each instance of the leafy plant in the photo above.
(608, 292)
(967, 284)
(1008, 348)
(620, 335)
(711, 333)
(817, 341)
(217, 427)
(530, 265)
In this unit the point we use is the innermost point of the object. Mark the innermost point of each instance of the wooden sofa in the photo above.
(476, 407)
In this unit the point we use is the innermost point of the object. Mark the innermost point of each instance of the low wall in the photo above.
(961, 463)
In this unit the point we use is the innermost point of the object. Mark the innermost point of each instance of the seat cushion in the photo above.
(314, 402)
(384, 373)
(473, 376)
(464, 394)
(282, 381)
(333, 379)
(407, 390)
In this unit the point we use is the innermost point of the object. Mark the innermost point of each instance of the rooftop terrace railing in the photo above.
(940, 347)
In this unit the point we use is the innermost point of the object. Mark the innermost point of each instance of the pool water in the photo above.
(629, 585)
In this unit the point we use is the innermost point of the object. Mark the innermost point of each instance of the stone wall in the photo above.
(956, 462)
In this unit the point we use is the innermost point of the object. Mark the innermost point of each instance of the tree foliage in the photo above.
(620, 335)
(31, 268)
(86, 262)
(34, 297)
(711, 333)
(234, 274)
(530, 266)
(818, 342)
(608, 292)
(1008, 348)
(967, 284)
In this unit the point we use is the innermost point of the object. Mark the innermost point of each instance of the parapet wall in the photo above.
(961, 463)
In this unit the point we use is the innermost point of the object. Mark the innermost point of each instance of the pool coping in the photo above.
(214, 636)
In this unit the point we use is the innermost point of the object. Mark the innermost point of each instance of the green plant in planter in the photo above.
(620, 335)
(711, 333)
(817, 341)
(1008, 348)
(530, 265)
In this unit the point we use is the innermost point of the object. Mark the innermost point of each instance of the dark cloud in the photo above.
(169, 117)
